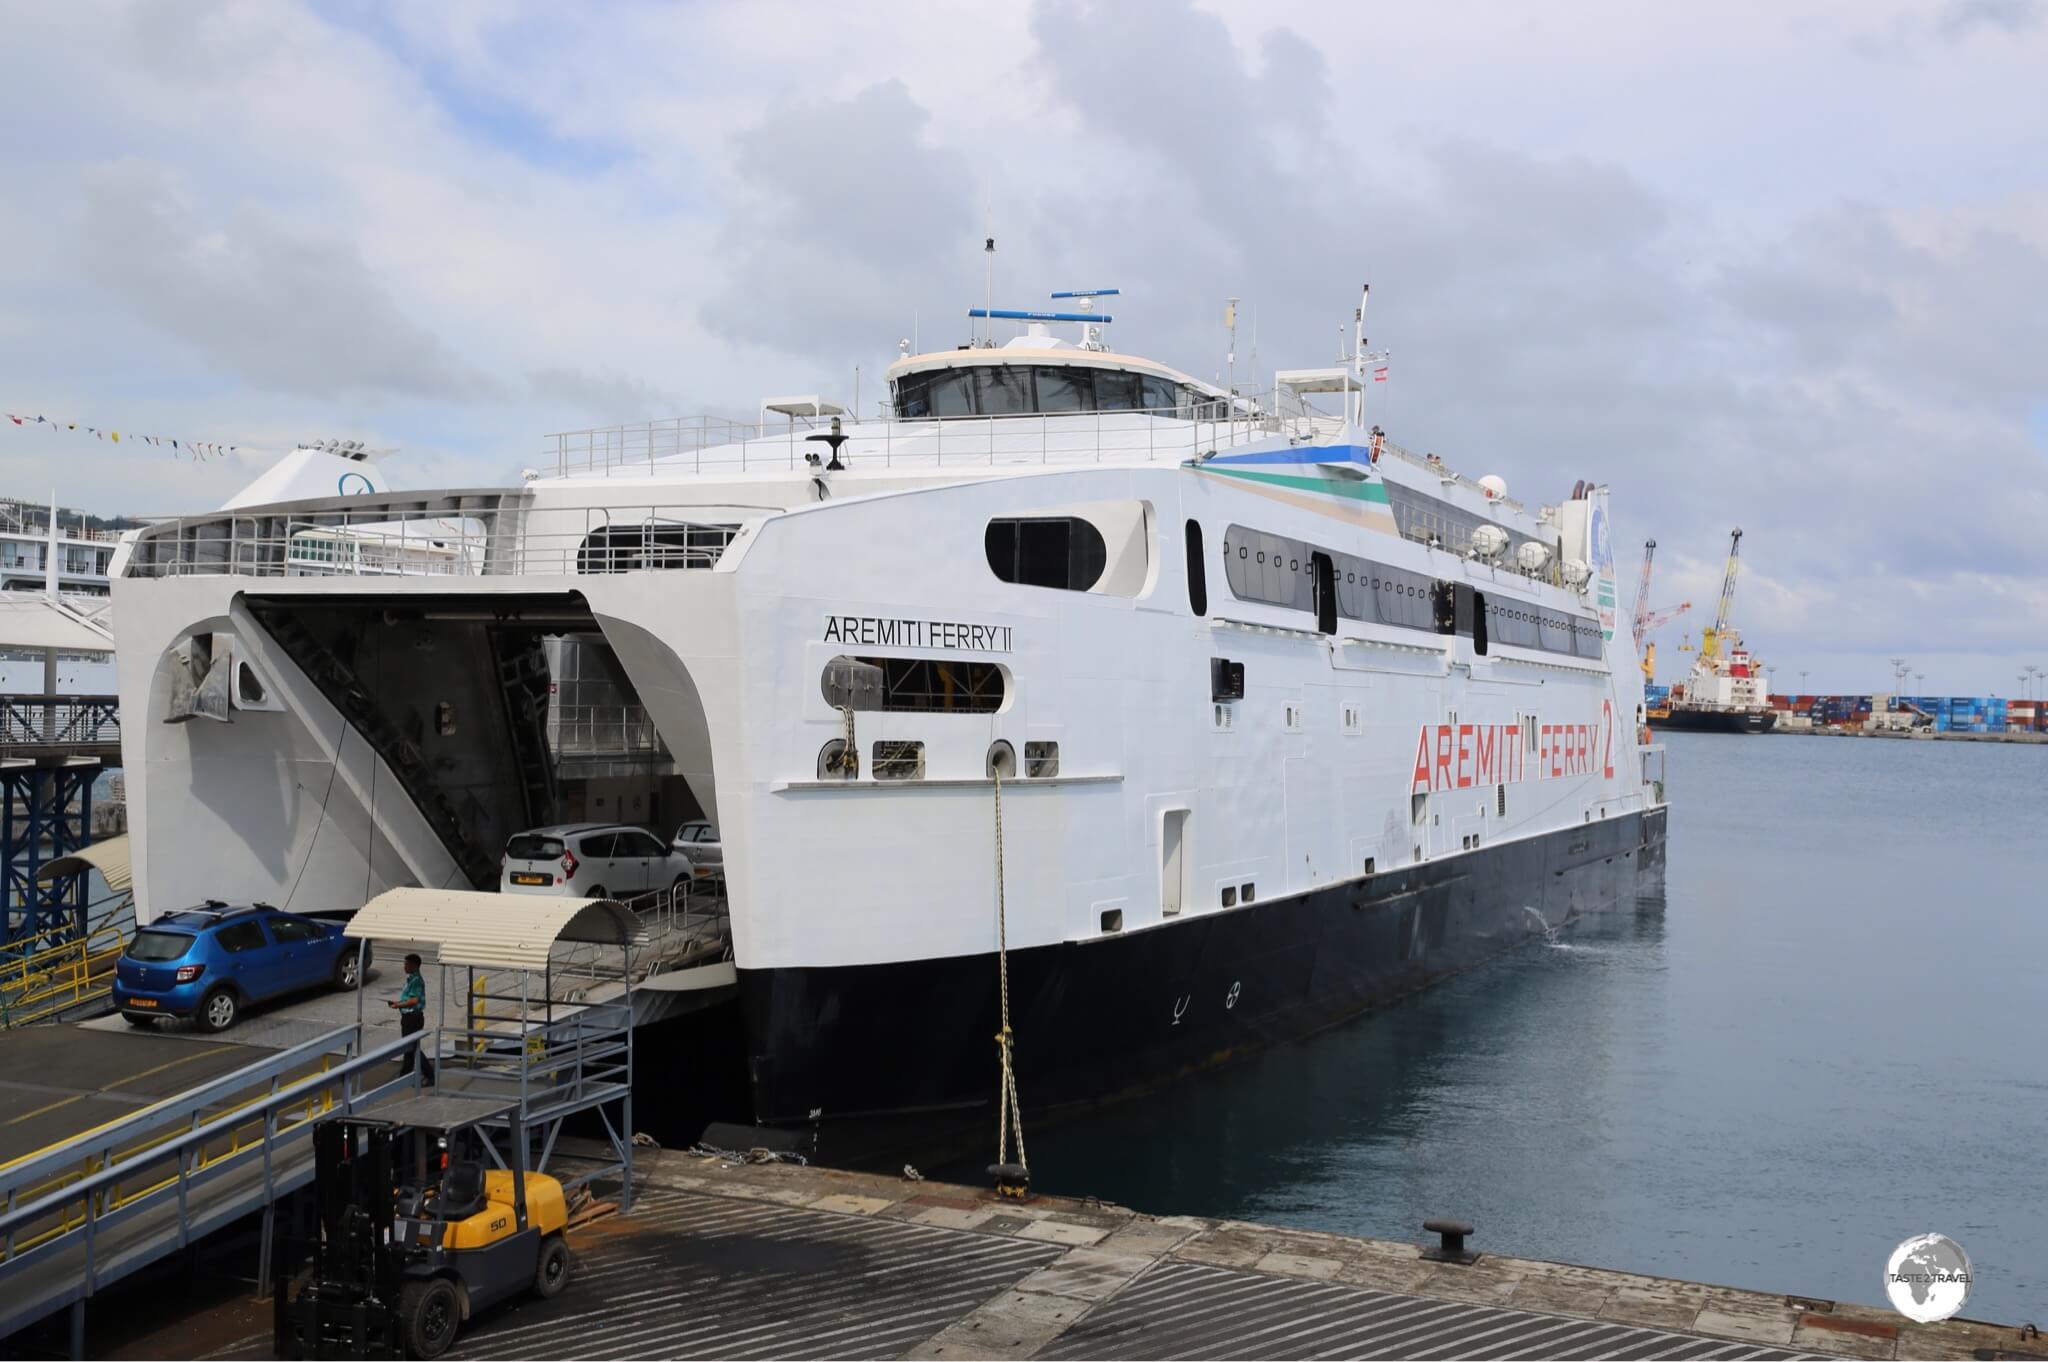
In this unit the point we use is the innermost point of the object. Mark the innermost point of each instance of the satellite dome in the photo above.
(1496, 486)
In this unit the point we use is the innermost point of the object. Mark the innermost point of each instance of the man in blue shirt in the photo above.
(412, 1013)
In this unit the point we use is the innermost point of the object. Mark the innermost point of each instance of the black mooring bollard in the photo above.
(1451, 1246)
(1012, 1180)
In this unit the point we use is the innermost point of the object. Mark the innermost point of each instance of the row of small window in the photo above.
(1534, 626)
(1275, 570)
(900, 759)
(82, 561)
(1047, 389)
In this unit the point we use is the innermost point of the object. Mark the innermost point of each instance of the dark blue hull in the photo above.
(900, 1044)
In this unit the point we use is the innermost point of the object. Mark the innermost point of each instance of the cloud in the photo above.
(609, 398)
(1963, 17)
(1761, 267)
(288, 310)
(839, 207)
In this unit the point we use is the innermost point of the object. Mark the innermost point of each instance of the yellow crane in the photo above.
(1647, 620)
(1710, 638)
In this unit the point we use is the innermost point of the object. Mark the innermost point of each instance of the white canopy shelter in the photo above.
(501, 931)
(35, 621)
(110, 858)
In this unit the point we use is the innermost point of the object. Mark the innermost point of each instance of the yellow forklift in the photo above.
(415, 1234)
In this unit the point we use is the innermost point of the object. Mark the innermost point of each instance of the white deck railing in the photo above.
(701, 443)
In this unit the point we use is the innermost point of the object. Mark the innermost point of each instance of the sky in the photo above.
(1775, 265)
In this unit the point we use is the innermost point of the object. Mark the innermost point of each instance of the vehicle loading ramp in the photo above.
(57, 1082)
(107, 1197)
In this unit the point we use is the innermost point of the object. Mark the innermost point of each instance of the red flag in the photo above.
(1379, 375)
(12, 417)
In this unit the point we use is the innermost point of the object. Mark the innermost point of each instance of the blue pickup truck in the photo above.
(209, 962)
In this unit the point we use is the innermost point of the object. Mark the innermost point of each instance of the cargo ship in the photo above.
(1727, 690)
(1713, 719)
(1200, 719)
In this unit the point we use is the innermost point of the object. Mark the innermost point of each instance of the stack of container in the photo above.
(1657, 696)
(1972, 714)
(2026, 716)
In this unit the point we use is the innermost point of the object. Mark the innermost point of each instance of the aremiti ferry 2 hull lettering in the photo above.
(1461, 756)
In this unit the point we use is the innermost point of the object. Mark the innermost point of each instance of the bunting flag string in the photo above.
(199, 450)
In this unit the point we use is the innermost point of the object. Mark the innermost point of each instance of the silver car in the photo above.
(591, 861)
(698, 840)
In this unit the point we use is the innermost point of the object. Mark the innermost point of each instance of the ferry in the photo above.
(1209, 717)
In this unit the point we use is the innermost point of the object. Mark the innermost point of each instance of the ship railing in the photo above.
(709, 443)
(602, 731)
(456, 535)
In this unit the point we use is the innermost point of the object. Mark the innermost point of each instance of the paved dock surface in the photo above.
(767, 1261)
(62, 1080)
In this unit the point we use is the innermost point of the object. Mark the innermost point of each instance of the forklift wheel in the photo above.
(552, 1274)
(428, 1314)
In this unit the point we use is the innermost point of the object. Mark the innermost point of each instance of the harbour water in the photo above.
(1831, 1033)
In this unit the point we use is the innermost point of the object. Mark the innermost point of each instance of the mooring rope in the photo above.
(1010, 1111)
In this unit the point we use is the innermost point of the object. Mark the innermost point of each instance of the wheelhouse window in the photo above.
(1047, 389)
(1116, 390)
(1064, 552)
(1064, 389)
(1004, 389)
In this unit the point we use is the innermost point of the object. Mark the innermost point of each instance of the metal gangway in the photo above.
(515, 1045)
(100, 1205)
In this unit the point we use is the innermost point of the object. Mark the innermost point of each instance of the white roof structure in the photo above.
(502, 931)
(110, 858)
(36, 621)
(306, 473)
(807, 404)
(1333, 380)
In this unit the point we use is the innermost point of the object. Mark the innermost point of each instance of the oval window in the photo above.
(1063, 552)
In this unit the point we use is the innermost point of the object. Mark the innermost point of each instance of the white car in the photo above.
(698, 840)
(591, 861)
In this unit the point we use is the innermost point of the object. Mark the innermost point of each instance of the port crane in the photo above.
(1647, 620)
(1710, 638)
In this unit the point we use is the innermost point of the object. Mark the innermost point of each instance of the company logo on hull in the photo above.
(1461, 756)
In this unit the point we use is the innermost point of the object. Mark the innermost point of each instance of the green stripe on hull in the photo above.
(1333, 487)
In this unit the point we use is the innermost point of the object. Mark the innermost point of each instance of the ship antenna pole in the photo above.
(1230, 355)
(988, 289)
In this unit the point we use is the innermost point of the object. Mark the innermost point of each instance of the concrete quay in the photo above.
(774, 1260)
